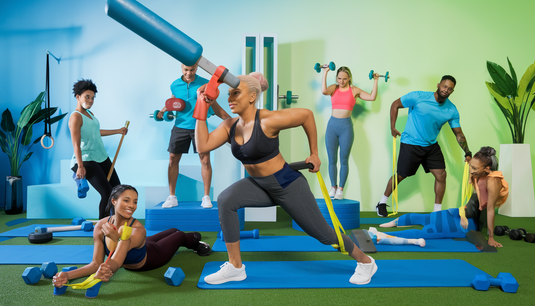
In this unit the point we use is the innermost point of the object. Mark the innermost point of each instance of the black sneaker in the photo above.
(203, 249)
(381, 209)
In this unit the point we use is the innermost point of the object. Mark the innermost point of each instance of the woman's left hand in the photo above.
(104, 273)
(314, 160)
(494, 243)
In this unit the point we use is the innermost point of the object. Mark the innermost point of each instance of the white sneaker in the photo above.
(332, 192)
(170, 202)
(438, 207)
(227, 273)
(206, 203)
(339, 195)
(363, 273)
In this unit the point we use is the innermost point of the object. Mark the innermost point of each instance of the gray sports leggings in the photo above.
(296, 199)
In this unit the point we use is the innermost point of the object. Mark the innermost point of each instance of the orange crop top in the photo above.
(481, 190)
(343, 99)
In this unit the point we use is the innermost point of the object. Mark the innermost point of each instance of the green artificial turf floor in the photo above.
(149, 288)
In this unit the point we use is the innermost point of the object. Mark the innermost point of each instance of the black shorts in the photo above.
(411, 157)
(180, 141)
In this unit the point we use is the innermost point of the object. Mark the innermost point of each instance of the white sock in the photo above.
(384, 199)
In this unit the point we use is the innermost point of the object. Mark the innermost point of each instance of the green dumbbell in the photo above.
(318, 67)
(167, 116)
(386, 76)
(289, 97)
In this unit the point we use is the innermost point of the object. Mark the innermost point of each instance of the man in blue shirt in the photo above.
(183, 133)
(428, 112)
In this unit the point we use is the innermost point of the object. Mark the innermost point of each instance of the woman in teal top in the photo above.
(90, 160)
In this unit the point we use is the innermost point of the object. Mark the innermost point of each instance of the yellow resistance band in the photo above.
(336, 223)
(467, 190)
(394, 180)
(91, 280)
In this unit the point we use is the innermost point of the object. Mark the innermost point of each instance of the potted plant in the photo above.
(515, 99)
(16, 142)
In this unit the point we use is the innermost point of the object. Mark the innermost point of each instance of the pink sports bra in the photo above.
(343, 99)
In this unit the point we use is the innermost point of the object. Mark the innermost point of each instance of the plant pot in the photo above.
(515, 164)
(14, 203)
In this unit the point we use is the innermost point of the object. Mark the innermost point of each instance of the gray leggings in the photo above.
(296, 199)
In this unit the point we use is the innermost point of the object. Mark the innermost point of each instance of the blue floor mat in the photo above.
(336, 274)
(37, 254)
(309, 244)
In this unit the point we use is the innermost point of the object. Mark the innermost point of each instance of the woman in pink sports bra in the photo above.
(340, 127)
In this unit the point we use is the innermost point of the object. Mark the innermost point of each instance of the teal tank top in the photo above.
(90, 142)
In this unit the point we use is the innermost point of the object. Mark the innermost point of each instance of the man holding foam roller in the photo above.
(183, 133)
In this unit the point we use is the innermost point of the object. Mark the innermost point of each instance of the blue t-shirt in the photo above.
(188, 93)
(426, 118)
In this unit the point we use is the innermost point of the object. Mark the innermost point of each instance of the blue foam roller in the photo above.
(155, 30)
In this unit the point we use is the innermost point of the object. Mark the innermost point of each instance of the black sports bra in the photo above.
(258, 149)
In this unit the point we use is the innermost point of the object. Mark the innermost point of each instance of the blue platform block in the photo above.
(187, 216)
(347, 211)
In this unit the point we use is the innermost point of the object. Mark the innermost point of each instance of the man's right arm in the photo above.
(396, 105)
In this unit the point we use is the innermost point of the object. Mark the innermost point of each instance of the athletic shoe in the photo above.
(227, 273)
(332, 192)
(170, 202)
(206, 203)
(381, 209)
(363, 273)
(438, 207)
(203, 249)
(339, 195)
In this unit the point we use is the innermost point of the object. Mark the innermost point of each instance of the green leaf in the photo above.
(57, 118)
(528, 76)
(27, 157)
(7, 121)
(27, 135)
(3, 144)
(29, 111)
(36, 140)
(502, 79)
(501, 100)
(42, 115)
(513, 73)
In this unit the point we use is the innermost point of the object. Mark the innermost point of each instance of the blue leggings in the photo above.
(339, 134)
(439, 224)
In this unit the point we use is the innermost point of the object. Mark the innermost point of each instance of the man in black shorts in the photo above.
(183, 133)
(428, 112)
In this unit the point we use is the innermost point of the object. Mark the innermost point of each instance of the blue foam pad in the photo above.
(309, 244)
(37, 254)
(336, 274)
(26, 230)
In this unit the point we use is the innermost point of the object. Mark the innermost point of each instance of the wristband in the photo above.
(468, 154)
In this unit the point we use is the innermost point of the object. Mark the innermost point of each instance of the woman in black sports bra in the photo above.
(253, 136)
(139, 252)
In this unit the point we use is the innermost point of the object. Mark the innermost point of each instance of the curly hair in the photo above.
(83, 85)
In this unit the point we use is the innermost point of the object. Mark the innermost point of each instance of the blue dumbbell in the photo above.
(32, 275)
(386, 76)
(318, 67)
(505, 281)
(174, 276)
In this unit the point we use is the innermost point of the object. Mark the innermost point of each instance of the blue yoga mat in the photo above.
(37, 254)
(336, 274)
(26, 230)
(309, 244)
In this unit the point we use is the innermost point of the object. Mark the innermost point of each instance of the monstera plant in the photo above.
(16, 139)
(515, 99)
